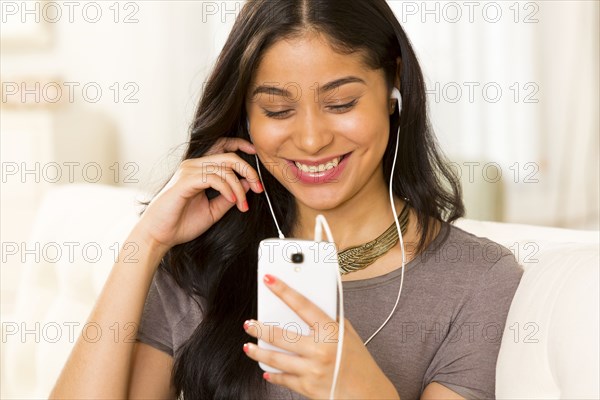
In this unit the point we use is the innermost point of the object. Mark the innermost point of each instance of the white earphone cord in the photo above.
(322, 222)
(267, 196)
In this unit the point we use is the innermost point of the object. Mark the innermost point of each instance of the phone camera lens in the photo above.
(297, 258)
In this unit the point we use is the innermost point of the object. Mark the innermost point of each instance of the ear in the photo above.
(248, 130)
(396, 82)
(398, 72)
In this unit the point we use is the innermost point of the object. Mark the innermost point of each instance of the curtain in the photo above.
(513, 94)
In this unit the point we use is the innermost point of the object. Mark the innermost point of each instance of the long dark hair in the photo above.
(221, 264)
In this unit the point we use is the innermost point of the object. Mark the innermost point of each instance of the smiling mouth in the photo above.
(313, 168)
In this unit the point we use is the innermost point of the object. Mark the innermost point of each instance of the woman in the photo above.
(313, 80)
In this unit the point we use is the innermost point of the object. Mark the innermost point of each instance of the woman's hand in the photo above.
(182, 211)
(309, 371)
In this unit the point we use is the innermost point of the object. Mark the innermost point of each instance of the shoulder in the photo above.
(473, 280)
(469, 258)
(170, 315)
(176, 302)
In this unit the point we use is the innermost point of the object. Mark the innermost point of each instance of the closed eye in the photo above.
(283, 114)
(273, 114)
(346, 106)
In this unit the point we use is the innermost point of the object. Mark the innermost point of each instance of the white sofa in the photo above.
(549, 349)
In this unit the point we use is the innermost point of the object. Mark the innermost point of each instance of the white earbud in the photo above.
(396, 95)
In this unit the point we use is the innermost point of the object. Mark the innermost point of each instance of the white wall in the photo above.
(552, 142)
(165, 55)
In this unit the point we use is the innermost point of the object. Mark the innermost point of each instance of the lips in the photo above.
(326, 170)
(320, 167)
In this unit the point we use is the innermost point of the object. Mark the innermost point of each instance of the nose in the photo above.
(312, 135)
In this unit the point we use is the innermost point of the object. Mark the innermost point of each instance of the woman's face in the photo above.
(319, 121)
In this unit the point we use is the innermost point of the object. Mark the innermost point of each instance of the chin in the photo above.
(320, 199)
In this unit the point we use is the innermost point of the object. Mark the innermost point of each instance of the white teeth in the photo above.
(318, 168)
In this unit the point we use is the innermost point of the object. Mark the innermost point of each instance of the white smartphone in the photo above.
(310, 268)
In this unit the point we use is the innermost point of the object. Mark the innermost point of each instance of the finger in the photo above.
(221, 178)
(290, 363)
(290, 339)
(228, 177)
(231, 161)
(236, 163)
(230, 144)
(239, 186)
(306, 309)
(193, 181)
(219, 206)
(245, 184)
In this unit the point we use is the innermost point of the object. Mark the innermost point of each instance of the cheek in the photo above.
(267, 136)
(368, 132)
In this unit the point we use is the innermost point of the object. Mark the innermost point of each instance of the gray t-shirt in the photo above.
(447, 327)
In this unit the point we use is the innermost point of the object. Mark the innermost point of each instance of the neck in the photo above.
(358, 220)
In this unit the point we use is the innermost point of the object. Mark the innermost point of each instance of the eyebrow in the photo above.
(274, 90)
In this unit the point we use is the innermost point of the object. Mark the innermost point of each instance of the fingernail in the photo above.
(245, 205)
(233, 198)
(246, 347)
(269, 279)
(266, 376)
(246, 324)
(260, 186)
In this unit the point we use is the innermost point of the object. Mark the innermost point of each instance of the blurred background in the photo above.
(103, 92)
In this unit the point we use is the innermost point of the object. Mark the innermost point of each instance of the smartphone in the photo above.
(309, 267)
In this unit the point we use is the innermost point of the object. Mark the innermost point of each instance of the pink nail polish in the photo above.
(245, 205)
(246, 325)
(246, 347)
(260, 186)
(266, 376)
(269, 279)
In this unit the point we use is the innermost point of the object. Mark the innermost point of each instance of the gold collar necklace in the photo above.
(359, 257)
